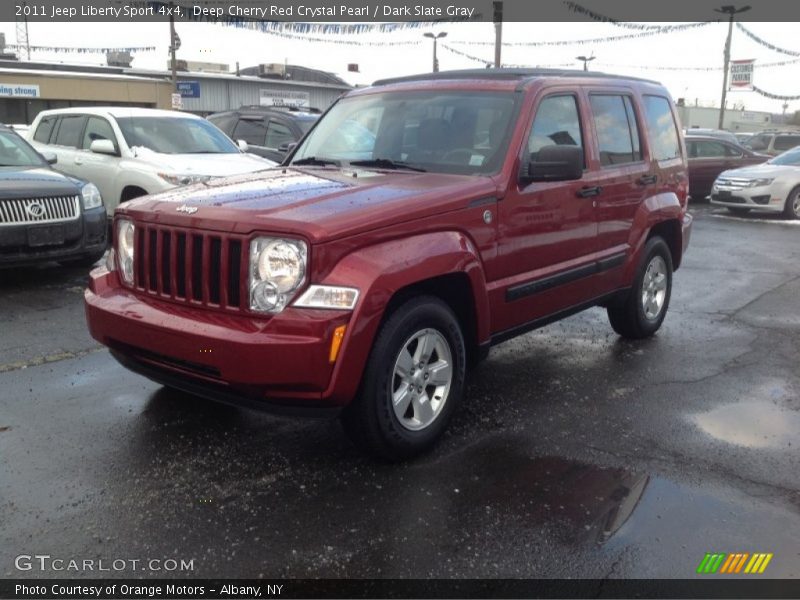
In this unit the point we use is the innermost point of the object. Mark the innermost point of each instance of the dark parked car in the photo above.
(710, 156)
(269, 131)
(45, 215)
(420, 222)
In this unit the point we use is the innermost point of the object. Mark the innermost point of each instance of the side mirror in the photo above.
(555, 163)
(50, 157)
(103, 146)
(287, 147)
(243, 146)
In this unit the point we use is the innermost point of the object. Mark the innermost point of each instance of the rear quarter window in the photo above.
(661, 128)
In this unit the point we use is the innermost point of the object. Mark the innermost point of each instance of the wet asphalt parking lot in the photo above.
(575, 454)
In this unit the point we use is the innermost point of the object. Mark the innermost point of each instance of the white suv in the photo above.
(131, 152)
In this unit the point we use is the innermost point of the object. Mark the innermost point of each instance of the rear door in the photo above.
(64, 141)
(707, 159)
(625, 175)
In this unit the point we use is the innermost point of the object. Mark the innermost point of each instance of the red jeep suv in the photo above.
(421, 221)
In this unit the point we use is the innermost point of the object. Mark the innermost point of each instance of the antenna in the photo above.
(22, 31)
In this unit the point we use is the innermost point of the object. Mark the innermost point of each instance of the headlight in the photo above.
(328, 296)
(759, 182)
(277, 269)
(91, 196)
(125, 231)
(183, 179)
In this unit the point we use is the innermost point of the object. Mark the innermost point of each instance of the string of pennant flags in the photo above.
(771, 96)
(582, 10)
(80, 50)
(764, 42)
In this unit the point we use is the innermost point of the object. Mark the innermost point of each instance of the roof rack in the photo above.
(306, 109)
(505, 73)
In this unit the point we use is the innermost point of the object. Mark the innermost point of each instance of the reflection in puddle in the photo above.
(584, 503)
(751, 424)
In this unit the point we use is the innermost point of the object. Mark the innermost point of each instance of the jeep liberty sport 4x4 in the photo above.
(421, 221)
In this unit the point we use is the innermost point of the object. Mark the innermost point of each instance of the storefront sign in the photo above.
(189, 89)
(284, 98)
(19, 90)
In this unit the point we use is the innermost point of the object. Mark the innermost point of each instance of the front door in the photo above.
(547, 230)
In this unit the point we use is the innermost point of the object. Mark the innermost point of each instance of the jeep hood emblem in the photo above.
(189, 210)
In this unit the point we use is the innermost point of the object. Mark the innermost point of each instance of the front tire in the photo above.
(412, 384)
(792, 208)
(640, 314)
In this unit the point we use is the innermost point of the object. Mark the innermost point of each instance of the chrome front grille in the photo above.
(732, 183)
(28, 211)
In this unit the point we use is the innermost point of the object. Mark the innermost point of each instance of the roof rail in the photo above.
(505, 73)
(307, 109)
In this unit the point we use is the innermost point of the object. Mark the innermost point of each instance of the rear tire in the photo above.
(792, 208)
(412, 384)
(641, 312)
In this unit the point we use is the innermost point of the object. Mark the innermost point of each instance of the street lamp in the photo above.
(730, 11)
(434, 38)
(586, 60)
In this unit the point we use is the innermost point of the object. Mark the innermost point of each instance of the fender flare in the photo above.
(381, 271)
(656, 209)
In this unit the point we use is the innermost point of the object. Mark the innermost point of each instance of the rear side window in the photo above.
(785, 142)
(69, 132)
(97, 128)
(44, 129)
(617, 133)
(251, 131)
(278, 134)
(706, 149)
(661, 128)
(556, 124)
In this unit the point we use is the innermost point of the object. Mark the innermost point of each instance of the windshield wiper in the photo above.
(313, 160)
(385, 163)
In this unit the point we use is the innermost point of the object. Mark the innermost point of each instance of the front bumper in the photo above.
(82, 237)
(280, 363)
(766, 198)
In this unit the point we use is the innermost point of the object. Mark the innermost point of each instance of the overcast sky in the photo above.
(646, 57)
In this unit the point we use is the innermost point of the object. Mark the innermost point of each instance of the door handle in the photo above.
(647, 179)
(589, 191)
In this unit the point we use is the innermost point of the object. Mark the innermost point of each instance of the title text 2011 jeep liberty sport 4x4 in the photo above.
(420, 221)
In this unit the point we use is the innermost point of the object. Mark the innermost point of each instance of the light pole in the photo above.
(441, 34)
(730, 11)
(586, 60)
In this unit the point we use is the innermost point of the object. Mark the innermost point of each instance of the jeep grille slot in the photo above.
(191, 268)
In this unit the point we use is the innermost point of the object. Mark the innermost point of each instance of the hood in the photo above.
(17, 182)
(761, 171)
(216, 165)
(317, 203)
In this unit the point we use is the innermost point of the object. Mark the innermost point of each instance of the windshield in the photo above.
(791, 157)
(461, 132)
(15, 152)
(175, 135)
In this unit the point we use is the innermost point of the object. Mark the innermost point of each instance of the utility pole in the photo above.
(174, 43)
(435, 38)
(730, 11)
(498, 32)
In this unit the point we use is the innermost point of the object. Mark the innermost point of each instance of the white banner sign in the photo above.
(742, 74)
(19, 90)
(284, 98)
(177, 101)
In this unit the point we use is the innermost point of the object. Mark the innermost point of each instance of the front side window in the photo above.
(661, 128)
(44, 129)
(459, 132)
(97, 128)
(706, 149)
(251, 131)
(557, 123)
(175, 135)
(277, 135)
(617, 133)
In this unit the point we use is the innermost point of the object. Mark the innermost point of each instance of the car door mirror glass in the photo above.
(103, 146)
(287, 147)
(243, 145)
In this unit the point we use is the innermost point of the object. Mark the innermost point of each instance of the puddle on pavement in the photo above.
(584, 503)
(752, 425)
